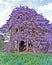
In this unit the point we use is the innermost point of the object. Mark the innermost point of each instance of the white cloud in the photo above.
(6, 3)
(46, 10)
(4, 15)
(41, 0)
(1, 1)
(34, 0)
(46, 7)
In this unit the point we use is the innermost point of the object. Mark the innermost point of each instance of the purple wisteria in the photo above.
(25, 23)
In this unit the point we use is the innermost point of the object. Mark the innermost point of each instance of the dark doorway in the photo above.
(22, 46)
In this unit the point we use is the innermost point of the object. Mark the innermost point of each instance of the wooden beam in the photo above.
(18, 47)
(27, 46)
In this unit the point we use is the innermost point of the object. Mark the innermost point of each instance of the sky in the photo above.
(43, 7)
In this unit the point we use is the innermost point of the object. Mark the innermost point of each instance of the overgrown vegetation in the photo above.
(25, 59)
(30, 26)
(3, 44)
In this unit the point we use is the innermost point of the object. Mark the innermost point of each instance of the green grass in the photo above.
(25, 59)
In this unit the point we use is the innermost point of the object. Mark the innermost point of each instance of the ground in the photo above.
(25, 59)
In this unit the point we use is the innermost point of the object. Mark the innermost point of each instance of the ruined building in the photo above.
(29, 31)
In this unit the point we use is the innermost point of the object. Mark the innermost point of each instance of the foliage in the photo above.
(2, 47)
(32, 26)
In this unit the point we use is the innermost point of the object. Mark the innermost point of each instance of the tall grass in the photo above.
(25, 59)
